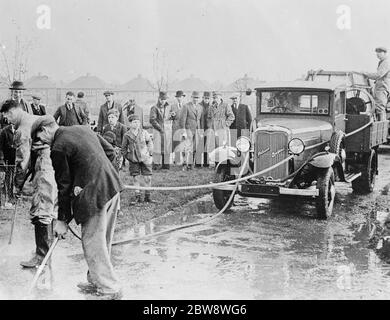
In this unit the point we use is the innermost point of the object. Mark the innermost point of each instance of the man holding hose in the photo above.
(88, 191)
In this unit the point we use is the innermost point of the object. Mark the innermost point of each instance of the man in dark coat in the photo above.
(203, 126)
(70, 114)
(242, 121)
(17, 88)
(82, 104)
(103, 114)
(88, 191)
(160, 118)
(7, 157)
(37, 108)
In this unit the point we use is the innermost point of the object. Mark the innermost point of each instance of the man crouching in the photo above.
(88, 191)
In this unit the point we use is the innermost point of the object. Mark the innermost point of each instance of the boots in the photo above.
(147, 197)
(43, 238)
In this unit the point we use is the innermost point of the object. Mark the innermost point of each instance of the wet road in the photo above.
(261, 249)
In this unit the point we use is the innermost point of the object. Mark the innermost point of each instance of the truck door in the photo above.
(339, 111)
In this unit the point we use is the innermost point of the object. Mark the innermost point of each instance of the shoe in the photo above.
(110, 296)
(34, 262)
(87, 287)
(165, 167)
(206, 165)
(198, 166)
(189, 167)
(147, 198)
(156, 167)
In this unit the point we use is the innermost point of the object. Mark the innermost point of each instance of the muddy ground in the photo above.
(260, 249)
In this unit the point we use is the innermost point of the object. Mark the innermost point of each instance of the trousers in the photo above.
(96, 237)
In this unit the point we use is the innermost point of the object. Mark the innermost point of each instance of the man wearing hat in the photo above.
(17, 88)
(88, 191)
(203, 127)
(82, 104)
(382, 83)
(221, 117)
(118, 130)
(45, 192)
(177, 132)
(104, 108)
(70, 114)
(242, 119)
(160, 117)
(129, 108)
(189, 123)
(37, 108)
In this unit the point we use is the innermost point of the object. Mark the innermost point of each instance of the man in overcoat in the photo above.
(104, 108)
(177, 132)
(70, 114)
(160, 118)
(36, 107)
(88, 191)
(242, 119)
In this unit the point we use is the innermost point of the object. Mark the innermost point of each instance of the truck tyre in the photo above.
(366, 182)
(336, 145)
(222, 196)
(327, 192)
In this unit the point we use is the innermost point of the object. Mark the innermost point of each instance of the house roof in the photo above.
(137, 84)
(40, 81)
(243, 83)
(87, 82)
(191, 84)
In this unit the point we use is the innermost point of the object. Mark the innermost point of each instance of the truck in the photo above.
(311, 133)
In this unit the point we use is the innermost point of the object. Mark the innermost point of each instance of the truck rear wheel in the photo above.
(221, 197)
(327, 192)
(366, 182)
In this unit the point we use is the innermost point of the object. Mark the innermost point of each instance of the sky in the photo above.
(215, 40)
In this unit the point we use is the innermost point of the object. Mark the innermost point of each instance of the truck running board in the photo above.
(352, 176)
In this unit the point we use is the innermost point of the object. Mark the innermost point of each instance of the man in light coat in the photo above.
(44, 198)
(189, 123)
(382, 83)
(220, 118)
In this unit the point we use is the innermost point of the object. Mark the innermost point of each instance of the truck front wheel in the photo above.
(221, 197)
(327, 192)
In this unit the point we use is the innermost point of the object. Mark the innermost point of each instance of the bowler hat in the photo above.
(133, 117)
(36, 97)
(70, 93)
(379, 49)
(195, 94)
(39, 123)
(180, 93)
(17, 85)
(163, 95)
(206, 94)
(108, 93)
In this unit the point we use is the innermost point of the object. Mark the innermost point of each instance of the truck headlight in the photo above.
(243, 144)
(296, 146)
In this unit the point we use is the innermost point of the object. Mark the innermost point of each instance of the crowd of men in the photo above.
(75, 171)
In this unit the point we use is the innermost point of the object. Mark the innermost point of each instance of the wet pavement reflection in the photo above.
(260, 249)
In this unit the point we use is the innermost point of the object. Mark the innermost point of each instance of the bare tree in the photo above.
(160, 70)
(14, 60)
(242, 85)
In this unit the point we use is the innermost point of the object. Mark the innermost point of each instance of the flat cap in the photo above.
(206, 94)
(216, 94)
(134, 117)
(379, 49)
(35, 96)
(195, 94)
(163, 95)
(108, 93)
(113, 111)
(39, 123)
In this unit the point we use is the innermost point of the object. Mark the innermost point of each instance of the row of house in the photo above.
(139, 88)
